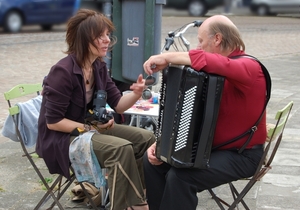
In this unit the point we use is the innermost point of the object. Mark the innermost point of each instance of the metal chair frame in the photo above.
(58, 187)
(275, 136)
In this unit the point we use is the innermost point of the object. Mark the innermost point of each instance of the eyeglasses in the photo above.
(149, 81)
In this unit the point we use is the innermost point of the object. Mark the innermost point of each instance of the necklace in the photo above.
(87, 80)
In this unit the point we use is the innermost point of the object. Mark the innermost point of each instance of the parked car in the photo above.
(16, 13)
(194, 7)
(273, 7)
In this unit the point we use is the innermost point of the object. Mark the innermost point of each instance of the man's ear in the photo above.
(218, 39)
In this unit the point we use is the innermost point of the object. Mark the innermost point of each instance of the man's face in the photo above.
(205, 41)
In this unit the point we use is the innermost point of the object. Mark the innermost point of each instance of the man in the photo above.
(242, 103)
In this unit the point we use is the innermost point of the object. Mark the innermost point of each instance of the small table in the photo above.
(142, 108)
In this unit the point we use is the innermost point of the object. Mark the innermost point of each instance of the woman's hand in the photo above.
(129, 100)
(102, 127)
(151, 155)
(139, 86)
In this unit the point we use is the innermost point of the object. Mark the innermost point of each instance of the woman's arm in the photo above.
(129, 100)
(65, 125)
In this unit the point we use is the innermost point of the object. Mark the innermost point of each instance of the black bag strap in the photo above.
(252, 130)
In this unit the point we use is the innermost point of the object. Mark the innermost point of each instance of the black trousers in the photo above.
(173, 188)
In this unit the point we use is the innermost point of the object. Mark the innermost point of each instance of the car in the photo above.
(16, 13)
(194, 7)
(273, 7)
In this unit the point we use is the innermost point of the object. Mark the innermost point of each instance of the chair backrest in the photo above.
(275, 136)
(20, 91)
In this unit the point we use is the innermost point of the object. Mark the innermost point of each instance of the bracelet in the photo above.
(87, 127)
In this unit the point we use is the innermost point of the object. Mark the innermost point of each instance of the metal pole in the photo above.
(107, 11)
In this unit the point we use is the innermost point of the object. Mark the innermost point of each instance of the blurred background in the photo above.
(14, 14)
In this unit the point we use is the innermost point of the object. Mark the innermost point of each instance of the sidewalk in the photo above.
(28, 57)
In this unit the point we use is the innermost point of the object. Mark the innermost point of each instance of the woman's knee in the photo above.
(147, 136)
(126, 150)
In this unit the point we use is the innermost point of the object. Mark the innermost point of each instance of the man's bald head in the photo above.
(219, 19)
(223, 27)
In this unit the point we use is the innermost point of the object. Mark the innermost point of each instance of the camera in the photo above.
(99, 112)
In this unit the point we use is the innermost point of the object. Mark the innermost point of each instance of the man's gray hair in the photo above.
(231, 38)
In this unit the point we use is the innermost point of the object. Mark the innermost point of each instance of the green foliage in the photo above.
(48, 180)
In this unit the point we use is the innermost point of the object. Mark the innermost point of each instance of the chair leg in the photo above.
(50, 192)
(242, 194)
(233, 193)
(236, 195)
(105, 202)
(63, 190)
(218, 200)
(49, 189)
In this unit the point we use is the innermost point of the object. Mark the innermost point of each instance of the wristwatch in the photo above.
(87, 127)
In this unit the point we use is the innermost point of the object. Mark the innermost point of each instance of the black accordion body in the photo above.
(189, 106)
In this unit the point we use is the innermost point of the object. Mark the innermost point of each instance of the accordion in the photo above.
(188, 112)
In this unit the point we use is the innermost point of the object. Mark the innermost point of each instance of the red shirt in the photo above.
(243, 98)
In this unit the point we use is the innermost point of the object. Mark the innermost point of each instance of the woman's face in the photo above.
(102, 43)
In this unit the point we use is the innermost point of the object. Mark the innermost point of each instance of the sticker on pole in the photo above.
(133, 42)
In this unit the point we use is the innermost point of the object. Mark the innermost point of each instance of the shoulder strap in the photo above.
(266, 74)
(268, 96)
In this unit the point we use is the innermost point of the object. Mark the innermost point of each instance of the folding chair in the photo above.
(58, 187)
(274, 137)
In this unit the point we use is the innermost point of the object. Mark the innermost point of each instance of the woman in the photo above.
(68, 95)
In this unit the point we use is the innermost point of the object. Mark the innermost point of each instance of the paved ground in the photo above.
(28, 56)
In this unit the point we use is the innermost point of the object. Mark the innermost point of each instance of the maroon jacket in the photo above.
(64, 97)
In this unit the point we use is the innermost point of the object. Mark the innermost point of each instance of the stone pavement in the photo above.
(28, 56)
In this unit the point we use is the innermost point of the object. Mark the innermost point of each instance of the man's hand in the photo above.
(159, 62)
(155, 63)
(151, 155)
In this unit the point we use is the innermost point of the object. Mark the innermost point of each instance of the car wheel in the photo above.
(197, 8)
(13, 22)
(46, 27)
(262, 10)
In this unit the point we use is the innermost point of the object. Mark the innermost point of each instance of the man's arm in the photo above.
(159, 62)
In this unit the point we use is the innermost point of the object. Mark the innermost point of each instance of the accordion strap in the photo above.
(252, 130)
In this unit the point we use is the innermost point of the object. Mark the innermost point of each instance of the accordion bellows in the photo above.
(189, 107)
